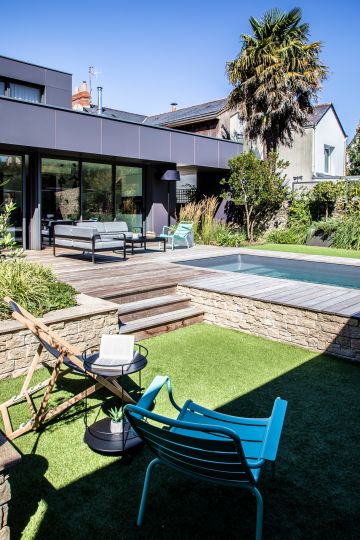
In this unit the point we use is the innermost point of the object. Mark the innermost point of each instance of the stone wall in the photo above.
(321, 332)
(9, 457)
(81, 325)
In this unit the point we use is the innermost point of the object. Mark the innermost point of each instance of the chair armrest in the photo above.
(152, 391)
(165, 227)
(274, 429)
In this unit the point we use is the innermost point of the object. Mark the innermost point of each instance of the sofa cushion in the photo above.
(98, 225)
(64, 242)
(116, 226)
(99, 245)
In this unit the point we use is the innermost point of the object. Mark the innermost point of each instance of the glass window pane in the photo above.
(2, 88)
(60, 189)
(129, 196)
(26, 93)
(11, 190)
(97, 191)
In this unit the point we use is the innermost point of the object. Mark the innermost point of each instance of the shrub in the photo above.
(299, 209)
(326, 229)
(293, 235)
(34, 287)
(227, 236)
(347, 234)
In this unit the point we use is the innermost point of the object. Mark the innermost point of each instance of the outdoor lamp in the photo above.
(170, 176)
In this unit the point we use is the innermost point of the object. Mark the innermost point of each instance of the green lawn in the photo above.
(64, 491)
(308, 250)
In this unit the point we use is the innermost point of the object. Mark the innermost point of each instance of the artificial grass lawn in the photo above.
(63, 490)
(308, 250)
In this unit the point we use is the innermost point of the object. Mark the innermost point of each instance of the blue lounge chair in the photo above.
(207, 445)
(182, 232)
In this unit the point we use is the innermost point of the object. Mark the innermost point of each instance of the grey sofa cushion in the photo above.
(116, 226)
(99, 245)
(64, 242)
(99, 226)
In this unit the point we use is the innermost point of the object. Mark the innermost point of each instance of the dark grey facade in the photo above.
(51, 129)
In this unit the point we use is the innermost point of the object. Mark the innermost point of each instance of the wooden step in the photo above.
(165, 322)
(152, 306)
(128, 294)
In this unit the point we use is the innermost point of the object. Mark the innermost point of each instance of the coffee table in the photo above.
(142, 241)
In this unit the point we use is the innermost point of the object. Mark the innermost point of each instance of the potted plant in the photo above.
(116, 423)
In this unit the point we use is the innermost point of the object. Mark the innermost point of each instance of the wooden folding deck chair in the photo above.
(66, 355)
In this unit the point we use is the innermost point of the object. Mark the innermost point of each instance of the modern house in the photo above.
(57, 162)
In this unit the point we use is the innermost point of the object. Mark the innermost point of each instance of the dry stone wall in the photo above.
(322, 332)
(82, 325)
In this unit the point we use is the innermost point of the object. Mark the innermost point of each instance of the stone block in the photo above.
(5, 533)
(5, 492)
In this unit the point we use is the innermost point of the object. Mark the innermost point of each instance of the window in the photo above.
(129, 196)
(24, 92)
(328, 150)
(97, 197)
(11, 190)
(60, 189)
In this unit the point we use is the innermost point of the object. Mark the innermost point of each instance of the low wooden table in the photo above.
(142, 241)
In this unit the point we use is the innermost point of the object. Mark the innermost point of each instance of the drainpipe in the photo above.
(100, 108)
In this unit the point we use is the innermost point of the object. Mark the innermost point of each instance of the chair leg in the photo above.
(151, 465)
(259, 513)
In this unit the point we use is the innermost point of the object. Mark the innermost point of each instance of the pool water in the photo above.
(341, 275)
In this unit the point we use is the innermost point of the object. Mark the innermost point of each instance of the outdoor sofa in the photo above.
(93, 237)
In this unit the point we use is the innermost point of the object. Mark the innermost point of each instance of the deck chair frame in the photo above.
(42, 413)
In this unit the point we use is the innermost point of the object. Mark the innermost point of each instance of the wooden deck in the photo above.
(114, 278)
(316, 297)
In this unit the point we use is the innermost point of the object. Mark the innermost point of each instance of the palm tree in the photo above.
(276, 77)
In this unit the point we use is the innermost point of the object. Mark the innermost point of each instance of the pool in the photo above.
(341, 275)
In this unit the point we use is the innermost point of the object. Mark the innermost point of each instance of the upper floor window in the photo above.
(328, 150)
(17, 90)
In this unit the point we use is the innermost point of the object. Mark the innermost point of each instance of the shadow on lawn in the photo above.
(314, 496)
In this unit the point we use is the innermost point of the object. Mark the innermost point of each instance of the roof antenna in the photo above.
(93, 72)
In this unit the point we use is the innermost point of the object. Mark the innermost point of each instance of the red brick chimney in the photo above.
(81, 98)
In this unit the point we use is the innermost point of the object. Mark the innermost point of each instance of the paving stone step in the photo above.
(152, 306)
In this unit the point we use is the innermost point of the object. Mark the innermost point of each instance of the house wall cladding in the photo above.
(82, 326)
(320, 332)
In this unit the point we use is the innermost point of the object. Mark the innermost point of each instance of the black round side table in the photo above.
(103, 436)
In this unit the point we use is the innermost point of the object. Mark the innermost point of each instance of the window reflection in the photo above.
(60, 189)
(129, 196)
(11, 190)
(97, 192)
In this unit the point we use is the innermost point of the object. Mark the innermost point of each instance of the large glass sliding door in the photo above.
(11, 190)
(129, 195)
(60, 189)
(76, 189)
(97, 194)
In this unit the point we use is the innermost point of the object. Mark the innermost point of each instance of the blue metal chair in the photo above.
(207, 445)
(182, 232)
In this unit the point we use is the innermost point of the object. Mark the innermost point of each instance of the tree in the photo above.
(276, 77)
(257, 186)
(326, 194)
(354, 154)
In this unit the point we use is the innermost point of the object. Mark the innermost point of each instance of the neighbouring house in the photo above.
(318, 154)
(57, 161)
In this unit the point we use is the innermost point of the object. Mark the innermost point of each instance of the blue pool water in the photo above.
(340, 275)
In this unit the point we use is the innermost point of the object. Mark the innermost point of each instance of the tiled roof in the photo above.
(208, 109)
(119, 115)
(317, 114)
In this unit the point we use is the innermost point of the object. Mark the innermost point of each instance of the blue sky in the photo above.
(151, 53)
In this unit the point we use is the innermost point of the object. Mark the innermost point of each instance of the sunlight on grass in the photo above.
(62, 489)
(308, 250)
